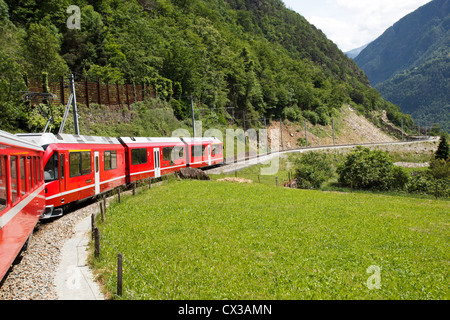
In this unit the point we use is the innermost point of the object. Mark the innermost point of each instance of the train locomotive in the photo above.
(42, 174)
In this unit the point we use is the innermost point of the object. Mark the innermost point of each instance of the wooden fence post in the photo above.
(118, 194)
(134, 188)
(118, 93)
(97, 242)
(99, 93)
(86, 92)
(128, 99)
(119, 274)
(107, 94)
(149, 182)
(92, 224)
(102, 212)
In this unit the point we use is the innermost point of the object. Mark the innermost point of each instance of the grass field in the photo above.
(220, 240)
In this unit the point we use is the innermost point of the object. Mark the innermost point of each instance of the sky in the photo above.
(353, 23)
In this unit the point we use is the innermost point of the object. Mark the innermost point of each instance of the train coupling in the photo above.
(51, 212)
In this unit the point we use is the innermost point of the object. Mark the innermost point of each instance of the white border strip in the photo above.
(82, 188)
(8, 216)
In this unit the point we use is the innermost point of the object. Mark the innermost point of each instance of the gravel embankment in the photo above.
(33, 277)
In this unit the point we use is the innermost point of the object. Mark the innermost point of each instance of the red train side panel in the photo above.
(22, 199)
(204, 152)
(79, 167)
(153, 157)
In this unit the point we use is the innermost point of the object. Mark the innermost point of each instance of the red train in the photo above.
(80, 167)
(22, 199)
(75, 168)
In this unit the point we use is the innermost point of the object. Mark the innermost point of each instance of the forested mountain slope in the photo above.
(410, 63)
(253, 55)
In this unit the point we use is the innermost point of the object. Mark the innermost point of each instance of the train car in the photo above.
(204, 152)
(78, 167)
(22, 199)
(153, 157)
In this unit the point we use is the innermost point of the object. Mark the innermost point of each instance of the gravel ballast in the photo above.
(33, 277)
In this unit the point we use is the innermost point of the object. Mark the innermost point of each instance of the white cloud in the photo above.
(353, 23)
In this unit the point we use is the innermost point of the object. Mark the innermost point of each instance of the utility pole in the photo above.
(334, 136)
(281, 132)
(193, 118)
(73, 102)
(402, 130)
(267, 136)
(306, 134)
(74, 105)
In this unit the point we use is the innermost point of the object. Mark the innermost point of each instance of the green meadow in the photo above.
(220, 240)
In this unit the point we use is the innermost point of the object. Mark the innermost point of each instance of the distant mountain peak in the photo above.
(355, 52)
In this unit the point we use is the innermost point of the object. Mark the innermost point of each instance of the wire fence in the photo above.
(100, 240)
(95, 92)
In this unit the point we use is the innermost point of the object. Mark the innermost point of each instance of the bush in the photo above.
(313, 169)
(440, 169)
(292, 113)
(311, 116)
(366, 169)
(420, 183)
(400, 178)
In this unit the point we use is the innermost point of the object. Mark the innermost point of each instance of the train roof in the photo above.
(136, 140)
(49, 138)
(8, 138)
(201, 139)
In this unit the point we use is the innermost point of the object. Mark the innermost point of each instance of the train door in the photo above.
(157, 163)
(208, 154)
(97, 172)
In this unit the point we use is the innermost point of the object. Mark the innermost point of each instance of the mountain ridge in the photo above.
(410, 64)
(255, 56)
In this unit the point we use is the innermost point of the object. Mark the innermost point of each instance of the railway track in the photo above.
(239, 163)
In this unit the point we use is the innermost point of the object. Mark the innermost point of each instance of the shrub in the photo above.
(400, 178)
(420, 183)
(311, 116)
(440, 169)
(313, 169)
(366, 169)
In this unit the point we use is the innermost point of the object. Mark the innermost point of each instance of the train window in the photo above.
(3, 185)
(22, 176)
(34, 172)
(51, 168)
(13, 179)
(178, 152)
(216, 149)
(110, 160)
(167, 153)
(79, 163)
(61, 162)
(39, 168)
(85, 163)
(198, 151)
(29, 173)
(138, 156)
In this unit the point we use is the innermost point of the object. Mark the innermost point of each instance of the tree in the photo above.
(443, 151)
(42, 52)
(313, 169)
